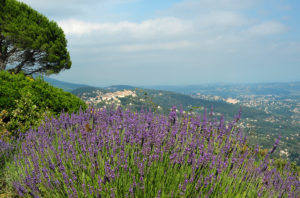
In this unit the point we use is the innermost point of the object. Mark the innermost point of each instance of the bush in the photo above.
(24, 101)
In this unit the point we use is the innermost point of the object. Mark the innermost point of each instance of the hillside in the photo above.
(67, 86)
(281, 99)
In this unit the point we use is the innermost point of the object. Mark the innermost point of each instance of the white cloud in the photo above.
(267, 28)
(162, 27)
(156, 34)
(218, 31)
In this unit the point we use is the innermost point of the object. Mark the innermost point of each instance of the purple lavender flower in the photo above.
(20, 189)
(125, 153)
(275, 145)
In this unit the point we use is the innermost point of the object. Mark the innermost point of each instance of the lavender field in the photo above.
(120, 153)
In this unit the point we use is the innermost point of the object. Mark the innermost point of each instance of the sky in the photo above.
(178, 42)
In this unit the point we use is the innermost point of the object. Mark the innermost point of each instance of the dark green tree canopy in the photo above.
(29, 42)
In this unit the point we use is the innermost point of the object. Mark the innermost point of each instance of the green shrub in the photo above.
(25, 101)
(25, 115)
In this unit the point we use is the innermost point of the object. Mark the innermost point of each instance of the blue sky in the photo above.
(178, 42)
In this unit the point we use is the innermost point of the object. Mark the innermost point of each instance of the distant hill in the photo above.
(67, 86)
(233, 90)
(166, 99)
(120, 87)
(70, 87)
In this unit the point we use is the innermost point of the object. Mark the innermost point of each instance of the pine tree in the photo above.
(29, 42)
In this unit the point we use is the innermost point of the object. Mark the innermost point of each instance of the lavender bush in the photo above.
(116, 153)
(6, 151)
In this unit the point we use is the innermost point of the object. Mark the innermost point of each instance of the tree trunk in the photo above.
(3, 54)
(2, 64)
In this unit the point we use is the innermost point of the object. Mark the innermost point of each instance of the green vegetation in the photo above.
(149, 98)
(29, 41)
(24, 100)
